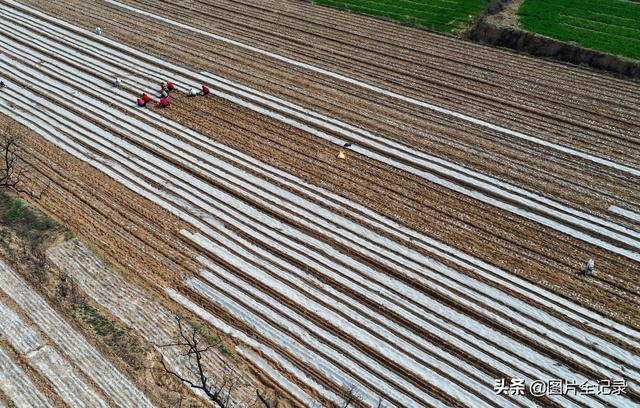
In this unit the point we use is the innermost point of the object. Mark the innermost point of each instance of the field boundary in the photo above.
(537, 45)
(481, 28)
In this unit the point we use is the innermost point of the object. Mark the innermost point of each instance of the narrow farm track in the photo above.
(321, 268)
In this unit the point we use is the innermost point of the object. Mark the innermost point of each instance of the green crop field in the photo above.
(439, 15)
(611, 26)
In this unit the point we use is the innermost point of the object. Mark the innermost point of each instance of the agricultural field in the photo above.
(358, 214)
(63, 363)
(611, 26)
(439, 15)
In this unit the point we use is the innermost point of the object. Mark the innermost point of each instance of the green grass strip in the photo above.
(611, 26)
(438, 15)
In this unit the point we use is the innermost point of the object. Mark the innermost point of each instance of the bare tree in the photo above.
(380, 403)
(350, 397)
(263, 400)
(12, 166)
(219, 387)
(195, 346)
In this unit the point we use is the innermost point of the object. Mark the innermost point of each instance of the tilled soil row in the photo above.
(327, 326)
(130, 231)
(138, 238)
(359, 161)
(247, 197)
(357, 29)
(68, 361)
(220, 312)
(242, 66)
(365, 217)
(523, 165)
(154, 318)
(346, 58)
(44, 387)
(581, 194)
(245, 275)
(246, 22)
(144, 234)
(425, 289)
(399, 196)
(318, 320)
(411, 84)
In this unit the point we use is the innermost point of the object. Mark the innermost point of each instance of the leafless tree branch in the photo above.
(262, 399)
(350, 397)
(12, 167)
(195, 346)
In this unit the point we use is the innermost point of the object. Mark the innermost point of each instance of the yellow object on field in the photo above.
(342, 154)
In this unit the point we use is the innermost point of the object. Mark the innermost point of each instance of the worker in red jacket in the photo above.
(164, 102)
(143, 100)
(205, 90)
(170, 86)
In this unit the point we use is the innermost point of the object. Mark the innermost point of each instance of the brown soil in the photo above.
(573, 107)
(514, 250)
(70, 200)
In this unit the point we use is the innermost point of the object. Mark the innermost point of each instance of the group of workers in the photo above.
(165, 89)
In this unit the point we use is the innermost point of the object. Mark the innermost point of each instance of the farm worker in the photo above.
(164, 102)
(1, 84)
(163, 87)
(117, 82)
(164, 94)
(170, 86)
(193, 92)
(205, 90)
(588, 268)
(144, 99)
(98, 31)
